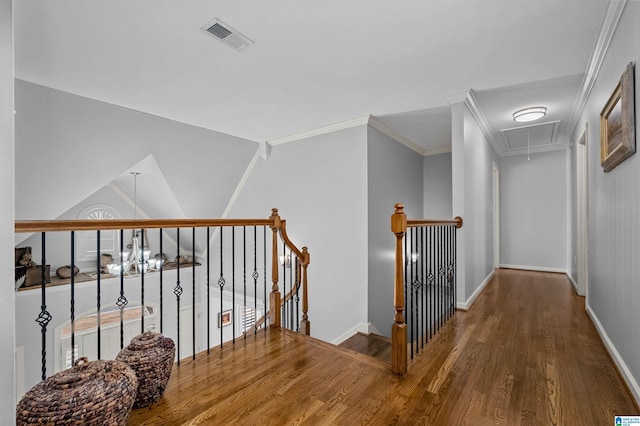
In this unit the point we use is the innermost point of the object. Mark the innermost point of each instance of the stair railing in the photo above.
(425, 277)
(231, 263)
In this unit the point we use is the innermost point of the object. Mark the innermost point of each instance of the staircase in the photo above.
(373, 345)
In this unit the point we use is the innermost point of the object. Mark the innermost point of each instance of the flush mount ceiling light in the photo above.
(223, 32)
(529, 114)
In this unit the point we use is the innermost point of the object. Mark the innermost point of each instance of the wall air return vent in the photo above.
(223, 32)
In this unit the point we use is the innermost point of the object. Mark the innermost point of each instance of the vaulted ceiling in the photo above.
(315, 63)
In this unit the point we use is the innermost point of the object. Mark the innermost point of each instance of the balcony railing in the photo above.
(213, 291)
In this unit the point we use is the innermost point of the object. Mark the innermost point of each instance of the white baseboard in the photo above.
(535, 268)
(613, 352)
(362, 327)
(573, 283)
(467, 304)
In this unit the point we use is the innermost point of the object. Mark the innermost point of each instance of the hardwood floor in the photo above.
(525, 353)
(369, 344)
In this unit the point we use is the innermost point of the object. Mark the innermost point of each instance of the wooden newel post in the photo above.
(399, 328)
(305, 325)
(274, 297)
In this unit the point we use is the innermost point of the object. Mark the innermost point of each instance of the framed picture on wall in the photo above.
(225, 318)
(617, 123)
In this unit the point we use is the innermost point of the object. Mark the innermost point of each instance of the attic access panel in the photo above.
(533, 136)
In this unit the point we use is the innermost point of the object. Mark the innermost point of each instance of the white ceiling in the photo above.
(315, 62)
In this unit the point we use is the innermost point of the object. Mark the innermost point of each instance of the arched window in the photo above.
(86, 246)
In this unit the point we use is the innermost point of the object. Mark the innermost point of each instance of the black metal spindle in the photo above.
(297, 294)
(455, 264)
(72, 307)
(255, 276)
(98, 295)
(264, 265)
(294, 292)
(411, 277)
(221, 283)
(141, 265)
(44, 318)
(244, 281)
(122, 300)
(177, 290)
(193, 292)
(161, 288)
(233, 282)
(432, 282)
(424, 279)
(208, 291)
(284, 286)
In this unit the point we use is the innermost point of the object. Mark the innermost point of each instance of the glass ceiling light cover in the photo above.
(529, 114)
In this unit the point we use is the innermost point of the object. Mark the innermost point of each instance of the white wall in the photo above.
(319, 186)
(68, 147)
(394, 176)
(613, 295)
(7, 303)
(437, 186)
(533, 211)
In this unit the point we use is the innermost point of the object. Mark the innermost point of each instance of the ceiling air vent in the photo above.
(223, 32)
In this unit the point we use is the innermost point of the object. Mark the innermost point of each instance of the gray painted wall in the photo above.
(394, 176)
(319, 186)
(533, 211)
(437, 187)
(7, 301)
(613, 294)
(68, 147)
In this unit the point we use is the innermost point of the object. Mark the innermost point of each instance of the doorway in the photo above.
(582, 207)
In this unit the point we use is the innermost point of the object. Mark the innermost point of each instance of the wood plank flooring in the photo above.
(524, 354)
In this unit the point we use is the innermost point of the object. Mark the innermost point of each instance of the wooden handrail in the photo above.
(117, 224)
(457, 221)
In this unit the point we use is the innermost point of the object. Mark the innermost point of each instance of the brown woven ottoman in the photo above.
(91, 393)
(150, 355)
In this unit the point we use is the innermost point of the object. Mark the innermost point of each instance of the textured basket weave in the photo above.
(92, 393)
(150, 355)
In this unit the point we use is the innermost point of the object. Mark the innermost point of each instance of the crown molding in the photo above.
(360, 121)
(607, 30)
(437, 151)
(383, 128)
(472, 104)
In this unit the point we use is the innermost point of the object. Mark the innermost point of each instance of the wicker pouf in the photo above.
(150, 355)
(91, 393)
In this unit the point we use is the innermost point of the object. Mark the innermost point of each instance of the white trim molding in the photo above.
(360, 121)
(535, 268)
(361, 327)
(467, 304)
(607, 30)
(573, 283)
(617, 359)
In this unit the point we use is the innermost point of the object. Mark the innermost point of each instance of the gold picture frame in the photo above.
(617, 123)
(225, 318)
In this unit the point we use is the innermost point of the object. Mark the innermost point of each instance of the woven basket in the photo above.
(91, 393)
(150, 355)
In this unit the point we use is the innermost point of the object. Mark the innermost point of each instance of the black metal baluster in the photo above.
(122, 300)
(441, 298)
(44, 318)
(455, 264)
(264, 265)
(294, 292)
(98, 292)
(233, 282)
(284, 286)
(412, 278)
(73, 298)
(177, 290)
(432, 278)
(161, 276)
(255, 277)
(193, 292)
(244, 280)
(221, 283)
(297, 294)
(208, 291)
(424, 282)
(141, 265)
